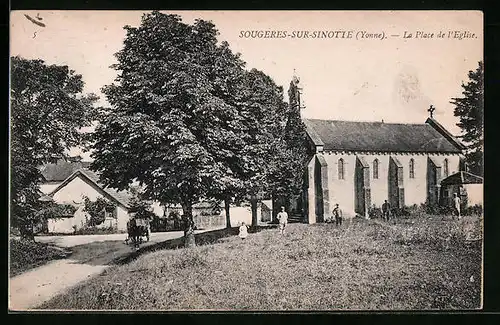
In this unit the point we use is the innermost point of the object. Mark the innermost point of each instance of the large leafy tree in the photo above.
(47, 113)
(470, 110)
(259, 110)
(171, 125)
(265, 116)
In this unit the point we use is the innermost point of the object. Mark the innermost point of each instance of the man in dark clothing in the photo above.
(337, 214)
(386, 210)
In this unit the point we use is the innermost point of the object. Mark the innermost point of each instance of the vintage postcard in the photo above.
(246, 160)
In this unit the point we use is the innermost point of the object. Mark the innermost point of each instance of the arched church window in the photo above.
(412, 168)
(375, 169)
(445, 168)
(341, 168)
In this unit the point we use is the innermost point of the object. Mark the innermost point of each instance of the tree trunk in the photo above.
(255, 219)
(227, 208)
(188, 225)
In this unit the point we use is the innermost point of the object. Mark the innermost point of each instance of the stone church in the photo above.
(361, 164)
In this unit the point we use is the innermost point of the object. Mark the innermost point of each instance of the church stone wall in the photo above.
(341, 191)
(415, 188)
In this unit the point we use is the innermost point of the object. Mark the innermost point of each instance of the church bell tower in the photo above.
(294, 95)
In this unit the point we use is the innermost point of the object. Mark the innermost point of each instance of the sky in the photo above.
(394, 79)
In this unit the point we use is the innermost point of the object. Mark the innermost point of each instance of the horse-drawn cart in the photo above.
(137, 229)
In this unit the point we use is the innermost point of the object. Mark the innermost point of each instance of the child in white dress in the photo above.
(243, 231)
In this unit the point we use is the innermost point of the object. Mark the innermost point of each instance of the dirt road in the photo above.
(93, 254)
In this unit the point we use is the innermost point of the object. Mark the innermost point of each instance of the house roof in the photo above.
(379, 136)
(120, 197)
(61, 170)
(462, 177)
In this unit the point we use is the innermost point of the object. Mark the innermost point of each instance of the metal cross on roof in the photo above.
(431, 110)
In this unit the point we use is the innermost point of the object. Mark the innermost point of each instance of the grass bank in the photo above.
(363, 265)
(26, 255)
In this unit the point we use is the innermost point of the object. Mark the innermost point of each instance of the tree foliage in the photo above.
(470, 110)
(55, 210)
(98, 210)
(140, 206)
(47, 113)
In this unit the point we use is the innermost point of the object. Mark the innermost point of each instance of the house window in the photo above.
(412, 168)
(375, 169)
(341, 168)
(445, 168)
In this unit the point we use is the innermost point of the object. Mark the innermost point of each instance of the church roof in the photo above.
(462, 177)
(380, 136)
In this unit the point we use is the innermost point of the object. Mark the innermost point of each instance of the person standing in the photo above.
(243, 231)
(283, 220)
(386, 210)
(456, 205)
(337, 214)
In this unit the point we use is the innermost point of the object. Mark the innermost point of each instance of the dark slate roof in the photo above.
(121, 197)
(379, 136)
(462, 177)
(61, 170)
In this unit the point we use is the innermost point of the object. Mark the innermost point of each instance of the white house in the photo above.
(85, 183)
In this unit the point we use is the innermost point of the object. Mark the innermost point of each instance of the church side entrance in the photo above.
(362, 196)
(396, 186)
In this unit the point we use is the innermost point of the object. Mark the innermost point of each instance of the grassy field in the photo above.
(364, 265)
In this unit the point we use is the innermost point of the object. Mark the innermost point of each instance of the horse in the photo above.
(133, 232)
(136, 230)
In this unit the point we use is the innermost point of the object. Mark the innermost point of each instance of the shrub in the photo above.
(476, 210)
(374, 212)
(438, 209)
(401, 212)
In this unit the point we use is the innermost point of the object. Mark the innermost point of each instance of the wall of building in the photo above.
(343, 191)
(122, 218)
(47, 188)
(242, 214)
(474, 194)
(74, 192)
(68, 225)
(158, 209)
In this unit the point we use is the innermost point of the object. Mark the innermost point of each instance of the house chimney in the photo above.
(75, 159)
